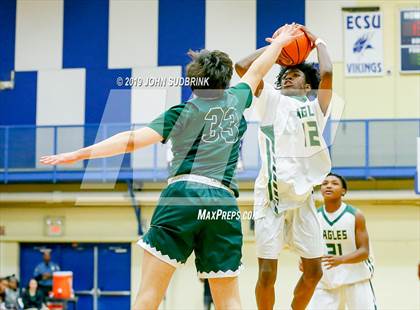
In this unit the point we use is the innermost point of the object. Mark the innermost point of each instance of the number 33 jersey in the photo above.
(338, 230)
(293, 152)
(206, 134)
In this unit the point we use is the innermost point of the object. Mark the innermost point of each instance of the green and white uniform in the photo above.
(294, 159)
(346, 284)
(205, 136)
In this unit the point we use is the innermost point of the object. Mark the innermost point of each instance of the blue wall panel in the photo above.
(18, 107)
(115, 260)
(274, 13)
(101, 90)
(107, 103)
(85, 39)
(181, 27)
(7, 37)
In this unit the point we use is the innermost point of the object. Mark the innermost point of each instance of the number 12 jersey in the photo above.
(294, 155)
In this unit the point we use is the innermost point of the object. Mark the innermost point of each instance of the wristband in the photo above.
(318, 41)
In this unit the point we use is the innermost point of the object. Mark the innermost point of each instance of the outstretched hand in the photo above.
(285, 34)
(63, 158)
(312, 37)
(309, 34)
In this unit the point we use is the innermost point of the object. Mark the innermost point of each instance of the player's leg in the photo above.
(168, 243)
(360, 296)
(312, 273)
(218, 248)
(323, 299)
(155, 278)
(225, 293)
(269, 231)
(264, 290)
(305, 237)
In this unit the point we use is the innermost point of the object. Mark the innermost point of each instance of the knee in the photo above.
(266, 278)
(144, 305)
(146, 301)
(228, 303)
(313, 275)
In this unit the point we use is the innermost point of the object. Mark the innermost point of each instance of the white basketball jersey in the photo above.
(294, 155)
(338, 230)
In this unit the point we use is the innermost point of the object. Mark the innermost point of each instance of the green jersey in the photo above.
(206, 134)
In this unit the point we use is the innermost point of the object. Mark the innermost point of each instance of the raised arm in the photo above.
(362, 245)
(263, 63)
(242, 66)
(325, 71)
(124, 142)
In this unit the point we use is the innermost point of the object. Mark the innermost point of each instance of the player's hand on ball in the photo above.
(309, 34)
(281, 29)
(331, 261)
(285, 34)
(63, 158)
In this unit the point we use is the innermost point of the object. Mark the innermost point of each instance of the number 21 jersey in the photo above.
(338, 230)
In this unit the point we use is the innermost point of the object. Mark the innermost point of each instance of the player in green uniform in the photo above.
(205, 134)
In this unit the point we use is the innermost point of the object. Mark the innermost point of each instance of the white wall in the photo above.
(231, 27)
(324, 18)
(133, 33)
(149, 102)
(39, 35)
(60, 101)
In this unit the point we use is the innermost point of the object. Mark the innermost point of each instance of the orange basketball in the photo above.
(295, 52)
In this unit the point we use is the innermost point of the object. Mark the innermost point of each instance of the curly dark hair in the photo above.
(216, 65)
(311, 75)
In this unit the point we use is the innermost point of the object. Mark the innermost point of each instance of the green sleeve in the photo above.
(244, 94)
(168, 121)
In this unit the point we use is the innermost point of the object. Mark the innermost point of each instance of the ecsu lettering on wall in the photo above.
(363, 44)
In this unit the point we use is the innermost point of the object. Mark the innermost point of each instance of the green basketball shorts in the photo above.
(192, 216)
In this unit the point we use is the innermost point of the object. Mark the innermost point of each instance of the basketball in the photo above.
(295, 52)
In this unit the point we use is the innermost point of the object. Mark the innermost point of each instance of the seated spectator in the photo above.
(3, 285)
(33, 298)
(12, 293)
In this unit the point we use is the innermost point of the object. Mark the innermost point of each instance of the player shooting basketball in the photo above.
(294, 160)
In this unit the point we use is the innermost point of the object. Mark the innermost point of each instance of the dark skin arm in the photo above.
(242, 66)
(325, 71)
(362, 245)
